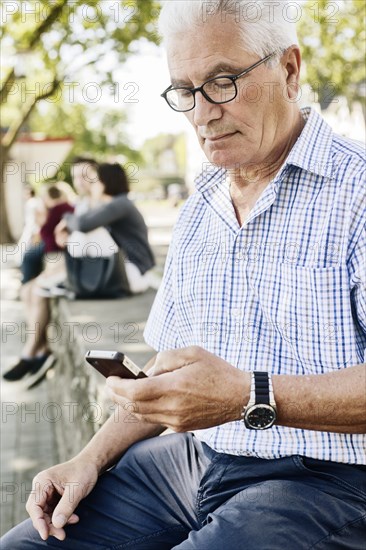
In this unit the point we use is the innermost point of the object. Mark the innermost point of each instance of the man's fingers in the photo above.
(64, 510)
(36, 503)
(45, 528)
(73, 519)
(137, 390)
(144, 389)
(40, 524)
(167, 361)
(54, 531)
(160, 383)
(57, 533)
(155, 386)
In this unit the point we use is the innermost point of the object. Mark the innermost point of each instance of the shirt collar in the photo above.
(313, 149)
(311, 152)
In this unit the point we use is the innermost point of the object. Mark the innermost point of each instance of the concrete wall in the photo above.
(75, 386)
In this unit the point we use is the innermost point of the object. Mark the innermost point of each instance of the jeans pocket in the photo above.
(347, 476)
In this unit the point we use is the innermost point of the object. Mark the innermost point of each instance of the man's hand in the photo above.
(190, 389)
(56, 492)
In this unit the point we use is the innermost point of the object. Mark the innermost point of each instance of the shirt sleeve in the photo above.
(358, 281)
(161, 331)
(97, 217)
(357, 260)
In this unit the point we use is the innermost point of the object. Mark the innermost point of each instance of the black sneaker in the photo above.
(26, 367)
(40, 374)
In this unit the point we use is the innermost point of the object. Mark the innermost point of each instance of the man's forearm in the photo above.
(194, 389)
(115, 437)
(333, 402)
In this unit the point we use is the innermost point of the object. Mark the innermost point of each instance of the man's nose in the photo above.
(205, 111)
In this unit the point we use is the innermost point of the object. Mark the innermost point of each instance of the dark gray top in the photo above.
(126, 225)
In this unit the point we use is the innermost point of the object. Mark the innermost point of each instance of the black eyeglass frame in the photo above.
(232, 77)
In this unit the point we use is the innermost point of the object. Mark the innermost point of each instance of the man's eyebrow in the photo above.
(227, 69)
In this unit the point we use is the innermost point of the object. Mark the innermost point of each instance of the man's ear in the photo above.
(291, 62)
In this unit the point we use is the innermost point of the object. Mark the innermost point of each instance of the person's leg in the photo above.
(32, 262)
(31, 267)
(36, 358)
(39, 317)
(37, 306)
(26, 298)
(148, 501)
(288, 503)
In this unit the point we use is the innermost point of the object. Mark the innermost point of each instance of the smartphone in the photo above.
(114, 363)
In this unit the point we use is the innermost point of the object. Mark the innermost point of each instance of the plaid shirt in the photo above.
(284, 293)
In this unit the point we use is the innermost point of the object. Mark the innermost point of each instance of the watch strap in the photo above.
(261, 388)
(261, 391)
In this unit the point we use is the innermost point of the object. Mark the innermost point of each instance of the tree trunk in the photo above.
(5, 233)
(7, 142)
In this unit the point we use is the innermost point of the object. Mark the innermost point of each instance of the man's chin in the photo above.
(225, 161)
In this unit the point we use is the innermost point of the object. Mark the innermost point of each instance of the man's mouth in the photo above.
(218, 137)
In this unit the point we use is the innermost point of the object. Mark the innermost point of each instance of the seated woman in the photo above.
(127, 228)
(117, 213)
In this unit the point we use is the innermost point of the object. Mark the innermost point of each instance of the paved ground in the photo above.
(26, 434)
(27, 421)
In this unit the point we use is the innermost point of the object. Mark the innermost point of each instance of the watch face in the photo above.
(260, 417)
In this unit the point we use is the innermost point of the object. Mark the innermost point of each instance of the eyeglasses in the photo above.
(220, 89)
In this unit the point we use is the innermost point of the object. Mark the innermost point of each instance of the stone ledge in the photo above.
(74, 385)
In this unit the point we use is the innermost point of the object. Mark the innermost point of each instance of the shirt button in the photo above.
(236, 312)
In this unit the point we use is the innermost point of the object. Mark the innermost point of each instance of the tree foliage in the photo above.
(48, 44)
(332, 38)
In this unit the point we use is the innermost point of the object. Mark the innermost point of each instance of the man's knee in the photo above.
(152, 451)
(24, 537)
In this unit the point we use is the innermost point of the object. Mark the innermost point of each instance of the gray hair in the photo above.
(267, 25)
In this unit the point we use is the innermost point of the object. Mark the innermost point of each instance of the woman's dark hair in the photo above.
(114, 179)
(84, 160)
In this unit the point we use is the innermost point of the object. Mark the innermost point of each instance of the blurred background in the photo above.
(85, 77)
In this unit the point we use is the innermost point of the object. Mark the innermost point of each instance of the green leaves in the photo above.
(332, 40)
(77, 42)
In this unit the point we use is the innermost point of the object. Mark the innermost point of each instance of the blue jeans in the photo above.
(176, 492)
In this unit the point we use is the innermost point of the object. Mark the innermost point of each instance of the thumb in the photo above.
(168, 361)
(70, 499)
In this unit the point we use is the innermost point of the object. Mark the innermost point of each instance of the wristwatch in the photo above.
(260, 413)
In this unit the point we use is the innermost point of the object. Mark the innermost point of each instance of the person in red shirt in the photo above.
(36, 355)
(57, 206)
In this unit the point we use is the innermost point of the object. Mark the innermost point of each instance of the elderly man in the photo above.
(260, 324)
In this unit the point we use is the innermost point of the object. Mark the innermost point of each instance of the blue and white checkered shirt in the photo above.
(284, 293)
